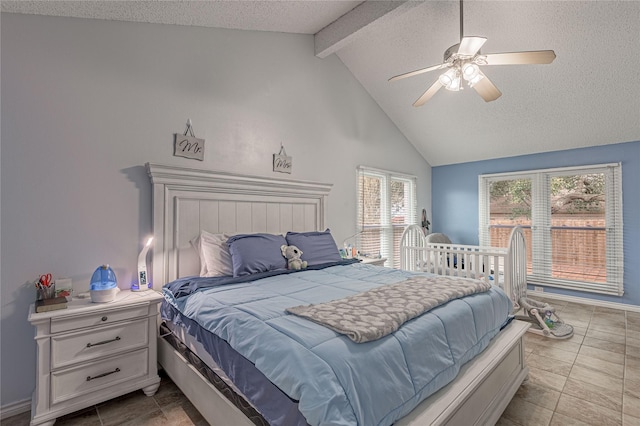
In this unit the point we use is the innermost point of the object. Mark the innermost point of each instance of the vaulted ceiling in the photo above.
(590, 95)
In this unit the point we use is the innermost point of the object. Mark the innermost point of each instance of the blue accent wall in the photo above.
(455, 201)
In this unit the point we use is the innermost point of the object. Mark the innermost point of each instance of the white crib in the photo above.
(502, 266)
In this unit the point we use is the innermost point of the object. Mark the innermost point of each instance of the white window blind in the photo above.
(386, 205)
(572, 218)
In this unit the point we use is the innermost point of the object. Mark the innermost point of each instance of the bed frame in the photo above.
(187, 200)
(503, 266)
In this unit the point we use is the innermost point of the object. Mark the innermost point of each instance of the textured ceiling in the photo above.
(304, 17)
(590, 95)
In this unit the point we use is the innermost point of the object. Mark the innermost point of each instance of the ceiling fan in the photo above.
(463, 61)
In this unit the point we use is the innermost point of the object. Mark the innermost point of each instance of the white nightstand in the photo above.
(92, 352)
(373, 261)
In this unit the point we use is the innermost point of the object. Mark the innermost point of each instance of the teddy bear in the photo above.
(293, 254)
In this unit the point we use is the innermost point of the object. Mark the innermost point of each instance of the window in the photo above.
(572, 218)
(386, 205)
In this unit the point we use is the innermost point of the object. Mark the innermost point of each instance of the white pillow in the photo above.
(215, 259)
(196, 244)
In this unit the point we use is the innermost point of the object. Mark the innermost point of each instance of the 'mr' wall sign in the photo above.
(187, 145)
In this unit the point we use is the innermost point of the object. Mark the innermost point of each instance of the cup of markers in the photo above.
(46, 287)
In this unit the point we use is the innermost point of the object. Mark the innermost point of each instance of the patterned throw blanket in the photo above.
(375, 313)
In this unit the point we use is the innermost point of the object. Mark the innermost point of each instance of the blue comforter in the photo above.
(335, 380)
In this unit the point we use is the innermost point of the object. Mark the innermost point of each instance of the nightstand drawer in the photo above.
(81, 380)
(72, 348)
(68, 323)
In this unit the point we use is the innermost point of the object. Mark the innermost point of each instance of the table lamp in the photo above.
(143, 283)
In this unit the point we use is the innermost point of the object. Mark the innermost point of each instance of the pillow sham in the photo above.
(254, 253)
(317, 247)
(196, 243)
(215, 259)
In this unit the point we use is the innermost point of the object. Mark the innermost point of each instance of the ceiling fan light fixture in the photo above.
(476, 78)
(455, 85)
(446, 78)
(470, 71)
(450, 80)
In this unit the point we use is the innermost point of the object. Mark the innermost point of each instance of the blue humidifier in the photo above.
(104, 285)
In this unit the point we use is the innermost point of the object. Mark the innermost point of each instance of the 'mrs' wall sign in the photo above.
(282, 162)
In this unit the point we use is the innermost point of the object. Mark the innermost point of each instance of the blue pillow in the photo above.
(254, 253)
(317, 247)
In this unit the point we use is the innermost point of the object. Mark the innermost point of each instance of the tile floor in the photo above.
(592, 378)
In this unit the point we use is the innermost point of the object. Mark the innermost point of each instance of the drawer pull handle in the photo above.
(89, 378)
(103, 342)
(104, 318)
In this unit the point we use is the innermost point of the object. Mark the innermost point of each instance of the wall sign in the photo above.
(282, 162)
(187, 145)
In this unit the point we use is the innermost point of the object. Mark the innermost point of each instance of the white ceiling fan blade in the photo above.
(417, 72)
(486, 89)
(469, 46)
(428, 94)
(521, 58)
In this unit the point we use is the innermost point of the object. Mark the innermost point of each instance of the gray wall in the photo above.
(86, 103)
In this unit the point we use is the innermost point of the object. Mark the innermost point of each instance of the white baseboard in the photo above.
(585, 301)
(15, 408)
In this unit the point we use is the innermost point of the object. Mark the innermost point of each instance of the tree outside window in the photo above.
(572, 221)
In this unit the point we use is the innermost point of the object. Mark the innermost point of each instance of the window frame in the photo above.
(541, 223)
(386, 226)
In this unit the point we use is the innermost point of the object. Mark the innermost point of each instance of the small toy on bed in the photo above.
(293, 254)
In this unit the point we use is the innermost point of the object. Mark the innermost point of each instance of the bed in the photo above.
(187, 201)
(502, 266)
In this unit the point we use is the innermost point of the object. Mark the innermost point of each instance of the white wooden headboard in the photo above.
(187, 200)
